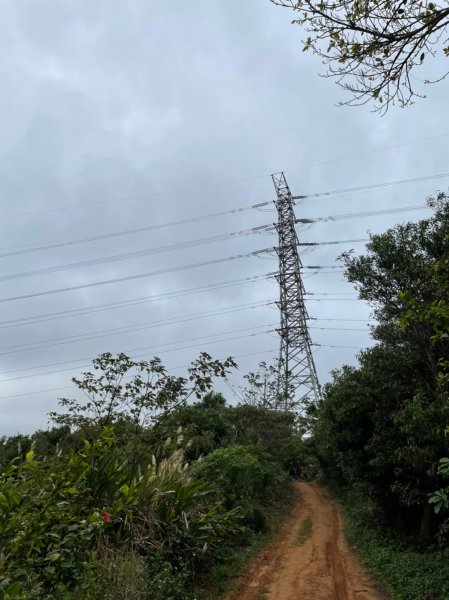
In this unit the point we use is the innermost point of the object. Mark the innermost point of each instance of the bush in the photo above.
(177, 517)
(58, 516)
(47, 526)
(254, 517)
(242, 473)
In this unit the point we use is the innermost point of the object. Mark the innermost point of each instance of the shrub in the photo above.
(242, 473)
(177, 517)
(47, 525)
(58, 516)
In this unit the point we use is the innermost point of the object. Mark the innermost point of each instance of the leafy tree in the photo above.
(275, 431)
(377, 429)
(372, 47)
(437, 315)
(262, 389)
(135, 391)
(398, 271)
(381, 425)
(240, 472)
(205, 426)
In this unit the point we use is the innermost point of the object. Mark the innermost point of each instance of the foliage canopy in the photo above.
(371, 47)
(380, 426)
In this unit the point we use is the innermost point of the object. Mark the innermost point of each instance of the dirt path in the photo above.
(309, 559)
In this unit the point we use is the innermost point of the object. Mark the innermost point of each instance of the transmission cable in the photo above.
(334, 300)
(138, 276)
(321, 267)
(337, 319)
(339, 329)
(67, 362)
(371, 186)
(218, 184)
(334, 346)
(331, 243)
(151, 349)
(39, 248)
(366, 153)
(36, 319)
(357, 215)
(126, 329)
(125, 303)
(128, 255)
(87, 366)
(72, 387)
(133, 198)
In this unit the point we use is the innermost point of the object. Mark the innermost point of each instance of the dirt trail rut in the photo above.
(309, 559)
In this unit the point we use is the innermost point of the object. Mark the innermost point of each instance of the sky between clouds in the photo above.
(117, 116)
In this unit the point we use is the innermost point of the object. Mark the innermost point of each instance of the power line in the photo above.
(138, 276)
(337, 319)
(217, 184)
(331, 243)
(169, 350)
(56, 389)
(128, 255)
(42, 318)
(369, 213)
(202, 241)
(316, 267)
(332, 346)
(372, 186)
(72, 387)
(333, 299)
(67, 362)
(38, 345)
(366, 153)
(39, 248)
(328, 294)
(125, 303)
(339, 329)
(318, 271)
(151, 350)
(134, 198)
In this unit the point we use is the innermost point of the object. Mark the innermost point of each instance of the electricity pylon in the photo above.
(298, 383)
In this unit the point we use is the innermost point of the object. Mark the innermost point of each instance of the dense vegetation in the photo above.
(134, 493)
(380, 428)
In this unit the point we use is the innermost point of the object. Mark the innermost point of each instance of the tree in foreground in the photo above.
(380, 427)
(122, 389)
(370, 47)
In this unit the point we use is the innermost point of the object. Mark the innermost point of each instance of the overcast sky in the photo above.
(117, 116)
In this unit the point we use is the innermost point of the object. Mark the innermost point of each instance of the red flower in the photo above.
(107, 517)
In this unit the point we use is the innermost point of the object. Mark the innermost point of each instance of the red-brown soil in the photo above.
(309, 559)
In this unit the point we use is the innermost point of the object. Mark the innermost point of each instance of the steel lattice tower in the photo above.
(297, 379)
